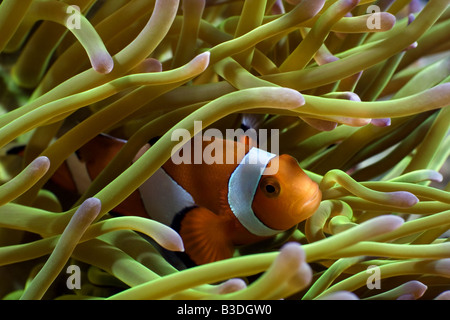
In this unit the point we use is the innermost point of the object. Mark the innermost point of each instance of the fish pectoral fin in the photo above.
(205, 236)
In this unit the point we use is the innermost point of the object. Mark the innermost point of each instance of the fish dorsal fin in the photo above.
(205, 236)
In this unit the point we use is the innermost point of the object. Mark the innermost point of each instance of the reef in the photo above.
(359, 91)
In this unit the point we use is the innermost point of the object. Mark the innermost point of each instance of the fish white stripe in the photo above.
(242, 188)
(163, 197)
(79, 172)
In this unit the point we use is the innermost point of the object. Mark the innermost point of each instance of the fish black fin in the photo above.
(17, 150)
(252, 121)
(205, 236)
(153, 140)
(249, 123)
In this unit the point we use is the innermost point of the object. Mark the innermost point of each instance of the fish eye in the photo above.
(270, 187)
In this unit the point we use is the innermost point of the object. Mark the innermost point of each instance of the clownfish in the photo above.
(214, 207)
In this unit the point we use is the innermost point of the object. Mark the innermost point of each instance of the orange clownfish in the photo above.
(214, 207)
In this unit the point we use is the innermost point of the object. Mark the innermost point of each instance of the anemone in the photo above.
(357, 89)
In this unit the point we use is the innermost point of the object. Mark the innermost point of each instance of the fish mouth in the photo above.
(315, 197)
(309, 207)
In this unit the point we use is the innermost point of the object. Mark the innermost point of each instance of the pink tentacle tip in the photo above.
(293, 252)
(232, 285)
(443, 296)
(103, 63)
(412, 290)
(340, 295)
(382, 224)
(384, 122)
(435, 176)
(402, 199)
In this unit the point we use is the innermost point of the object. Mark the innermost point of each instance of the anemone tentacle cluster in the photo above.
(359, 90)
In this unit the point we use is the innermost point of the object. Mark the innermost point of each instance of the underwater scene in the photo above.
(224, 150)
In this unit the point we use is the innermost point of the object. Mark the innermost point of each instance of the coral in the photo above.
(359, 97)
